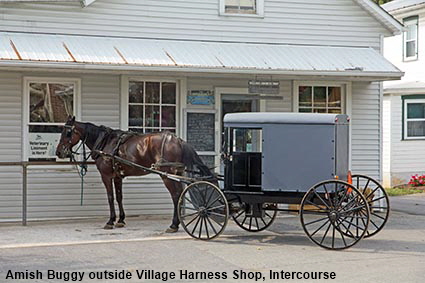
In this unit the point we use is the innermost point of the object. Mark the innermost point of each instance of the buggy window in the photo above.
(246, 140)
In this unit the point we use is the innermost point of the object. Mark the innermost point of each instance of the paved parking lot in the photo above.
(83, 248)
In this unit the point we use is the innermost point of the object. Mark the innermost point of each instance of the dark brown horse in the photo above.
(164, 151)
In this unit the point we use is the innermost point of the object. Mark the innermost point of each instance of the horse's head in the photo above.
(69, 137)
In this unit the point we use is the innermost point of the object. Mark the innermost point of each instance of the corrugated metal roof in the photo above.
(194, 55)
(401, 4)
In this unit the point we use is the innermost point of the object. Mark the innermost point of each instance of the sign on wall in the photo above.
(42, 145)
(201, 131)
(200, 97)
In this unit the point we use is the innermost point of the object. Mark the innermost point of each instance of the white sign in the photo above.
(43, 145)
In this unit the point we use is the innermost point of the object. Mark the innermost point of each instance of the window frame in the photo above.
(125, 100)
(26, 105)
(259, 13)
(345, 93)
(410, 100)
(413, 20)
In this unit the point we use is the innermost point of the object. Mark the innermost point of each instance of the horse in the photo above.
(163, 151)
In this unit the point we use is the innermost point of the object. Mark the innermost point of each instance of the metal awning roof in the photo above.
(89, 52)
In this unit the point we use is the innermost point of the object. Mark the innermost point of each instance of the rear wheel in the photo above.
(255, 217)
(378, 201)
(334, 215)
(203, 210)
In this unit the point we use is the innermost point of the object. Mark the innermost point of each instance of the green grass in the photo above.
(402, 191)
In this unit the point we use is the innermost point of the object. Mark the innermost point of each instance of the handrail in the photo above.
(25, 165)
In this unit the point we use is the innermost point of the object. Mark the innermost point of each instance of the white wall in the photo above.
(325, 22)
(393, 51)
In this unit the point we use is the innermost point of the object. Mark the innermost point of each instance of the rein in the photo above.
(83, 166)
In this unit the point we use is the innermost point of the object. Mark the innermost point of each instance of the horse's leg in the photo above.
(175, 190)
(107, 181)
(118, 191)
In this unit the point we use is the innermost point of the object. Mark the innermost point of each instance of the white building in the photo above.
(404, 101)
(192, 60)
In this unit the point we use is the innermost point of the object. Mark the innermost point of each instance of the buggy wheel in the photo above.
(330, 211)
(203, 210)
(378, 201)
(250, 220)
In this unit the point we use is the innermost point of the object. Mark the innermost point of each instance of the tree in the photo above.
(380, 2)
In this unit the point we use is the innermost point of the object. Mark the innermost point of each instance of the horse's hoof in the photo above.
(171, 230)
(108, 227)
(119, 225)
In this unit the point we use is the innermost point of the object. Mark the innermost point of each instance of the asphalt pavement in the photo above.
(74, 251)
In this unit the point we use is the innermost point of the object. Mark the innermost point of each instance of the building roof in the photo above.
(381, 15)
(283, 118)
(20, 49)
(411, 87)
(401, 4)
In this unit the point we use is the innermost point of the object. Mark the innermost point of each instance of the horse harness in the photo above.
(123, 137)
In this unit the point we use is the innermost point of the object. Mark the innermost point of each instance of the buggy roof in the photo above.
(283, 118)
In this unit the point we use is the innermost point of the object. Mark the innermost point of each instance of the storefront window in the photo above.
(49, 105)
(152, 106)
(320, 99)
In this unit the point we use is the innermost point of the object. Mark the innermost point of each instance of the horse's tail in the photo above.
(191, 159)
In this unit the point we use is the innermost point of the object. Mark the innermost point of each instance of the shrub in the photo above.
(417, 180)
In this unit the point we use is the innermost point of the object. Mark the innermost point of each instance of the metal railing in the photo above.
(25, 165)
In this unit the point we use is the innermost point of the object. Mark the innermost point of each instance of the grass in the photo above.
(403, 191)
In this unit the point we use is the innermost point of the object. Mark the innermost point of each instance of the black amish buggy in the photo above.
(287, 158)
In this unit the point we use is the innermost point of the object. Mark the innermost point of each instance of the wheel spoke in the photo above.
(352, 209)
(190, 214)
(318, 229)
(206, 227)
(327, 230)
(377, 199)
(212, 226)
(352, 224)
(185, 197)
(215, 207)
(315, 221)
(333, 236)
(196, 225)
(316, 205)
(379, 216)
(216, 214)
(371, 193)
(256, 221)
(321, 199)
(190, 222)
(237, 216)
(200, 227)
(188, 207)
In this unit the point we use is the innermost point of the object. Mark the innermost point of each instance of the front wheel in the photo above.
(203, 210)
(334, 214)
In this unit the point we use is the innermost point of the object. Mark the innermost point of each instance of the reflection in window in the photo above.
(50, 102)
(320, 99)
(240, 6)
(410, 38)
(247, 140)
(414, 118)
(152, 106)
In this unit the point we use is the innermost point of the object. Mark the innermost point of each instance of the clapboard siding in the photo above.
(327, 22)
(407, 156)
(284, 105)
(10, 146)
(365, 123)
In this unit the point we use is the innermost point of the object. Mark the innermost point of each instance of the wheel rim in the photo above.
(248, 222)
(330, 211)
(379, 203)
(203, 210)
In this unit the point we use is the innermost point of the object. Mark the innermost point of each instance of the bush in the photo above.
(417, 180)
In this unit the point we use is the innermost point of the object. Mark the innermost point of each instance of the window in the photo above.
(414, 118)
(48, 103)
(152, 106)
(320, 99)
(242, 7)
(410, 39)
